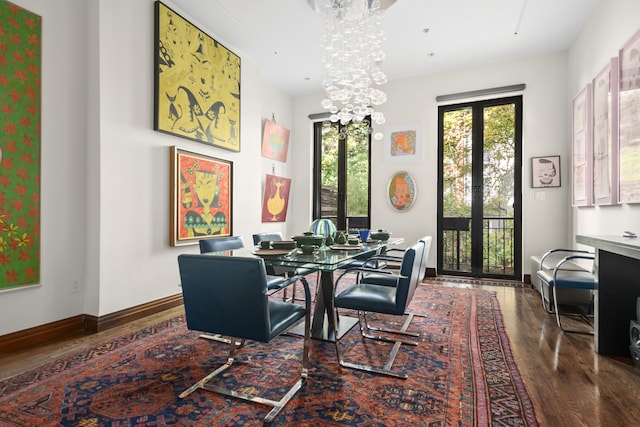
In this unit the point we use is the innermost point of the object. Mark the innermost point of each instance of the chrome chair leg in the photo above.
(276, 404)
(386, 370)
(221, 339)
(365, 331)
(581, 316)
(401, 331)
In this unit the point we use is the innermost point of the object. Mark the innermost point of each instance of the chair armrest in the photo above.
(588, 256)
(367, 270)
(277, 286)
(561, 250)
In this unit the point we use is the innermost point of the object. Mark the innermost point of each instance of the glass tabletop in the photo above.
(325, 258)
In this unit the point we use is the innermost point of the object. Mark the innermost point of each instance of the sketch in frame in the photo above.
(605, 135)
(545, 171)
(197, 83)
(401, 191)
(581, 153)
(629, 125)
(201, 197)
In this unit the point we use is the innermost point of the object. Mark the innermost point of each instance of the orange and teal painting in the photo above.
(20, 69)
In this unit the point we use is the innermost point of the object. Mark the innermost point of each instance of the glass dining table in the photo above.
(326, 260)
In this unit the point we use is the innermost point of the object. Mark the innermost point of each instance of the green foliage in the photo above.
(357, 149)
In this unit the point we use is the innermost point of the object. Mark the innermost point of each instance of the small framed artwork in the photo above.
(197, 83)
(403, 143)
(629, 130)
(402, 191)
(545, 171)
(276, 199)
(201, 197)
(275, 141)
(581, 148)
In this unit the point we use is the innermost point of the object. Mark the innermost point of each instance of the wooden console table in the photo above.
(617, 267)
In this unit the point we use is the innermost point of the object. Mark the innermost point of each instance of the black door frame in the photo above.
(342, 217)
(478, 188)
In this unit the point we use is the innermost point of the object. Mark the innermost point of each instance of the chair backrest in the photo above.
(274, 236)
(226, 295)
(410, 270)
(426, 241)
(221, 244)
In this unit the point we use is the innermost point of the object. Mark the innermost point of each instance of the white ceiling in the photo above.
(282, 36)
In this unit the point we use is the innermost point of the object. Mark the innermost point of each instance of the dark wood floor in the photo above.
(570, 384)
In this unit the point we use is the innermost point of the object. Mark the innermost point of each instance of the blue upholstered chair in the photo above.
(229, 296)
(276, 236)
(216, 244)
(386, 279)
(561, 278)
(384, 299)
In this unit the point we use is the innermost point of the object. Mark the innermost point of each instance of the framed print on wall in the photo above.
(605, 135)
(629, 102)
(545, 171)
(197, 83)
(401, 191)
(275, 141)
(581, 148)
(403, 143)
(201, 197)
(276, 199)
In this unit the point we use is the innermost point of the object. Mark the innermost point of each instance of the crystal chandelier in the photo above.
(353, 56)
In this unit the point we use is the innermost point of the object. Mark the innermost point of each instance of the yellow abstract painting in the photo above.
(197, 92)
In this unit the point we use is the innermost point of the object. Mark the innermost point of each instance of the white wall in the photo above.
(105, 172)
(63, 169)
(413, 101)
(611, 26)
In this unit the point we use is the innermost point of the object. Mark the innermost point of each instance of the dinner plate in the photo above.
(272, 252)
(346, 247)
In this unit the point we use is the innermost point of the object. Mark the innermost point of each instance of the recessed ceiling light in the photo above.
(431, 54)
(426, 30)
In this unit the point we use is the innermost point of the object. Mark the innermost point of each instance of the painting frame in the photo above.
(402, 191)
(403, 143)
(196, 83)
(201, 197)
(276, 194)
(275, 141)
(629, 126)
(605, 134)
(545, 172)
(581, 145)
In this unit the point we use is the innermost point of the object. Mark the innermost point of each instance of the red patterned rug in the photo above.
(461, 374)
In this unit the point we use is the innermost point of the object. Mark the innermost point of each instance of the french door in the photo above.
(341, 178)
(479, 188)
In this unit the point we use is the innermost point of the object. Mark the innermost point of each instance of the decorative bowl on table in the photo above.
(284, 244)
(309, 238)
(380, 235)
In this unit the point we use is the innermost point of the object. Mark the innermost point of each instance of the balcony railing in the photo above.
(498, 245)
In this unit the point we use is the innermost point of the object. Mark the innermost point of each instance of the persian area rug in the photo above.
(476, 281)
(462, 373)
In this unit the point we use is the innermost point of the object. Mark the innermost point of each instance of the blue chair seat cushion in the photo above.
(380, 279)
(281, 314)
(369, 297)
(568, 279)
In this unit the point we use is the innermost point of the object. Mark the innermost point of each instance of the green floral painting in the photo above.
(20, 68)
